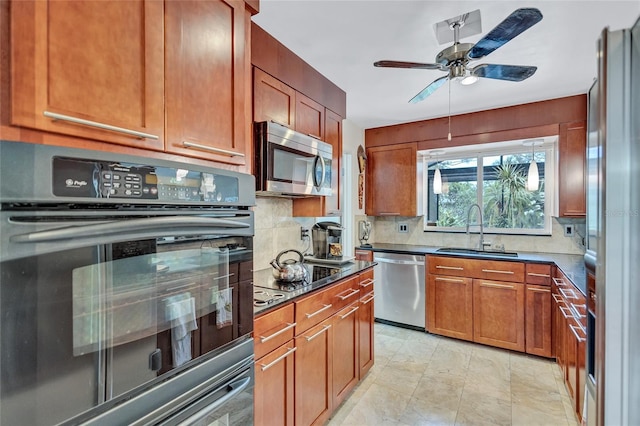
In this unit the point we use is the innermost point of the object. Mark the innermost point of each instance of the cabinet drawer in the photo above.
(538, 273)
(498, 270)
(320, 306)
(272, 330)
(366, 255)
(365, 282)
(453, 266)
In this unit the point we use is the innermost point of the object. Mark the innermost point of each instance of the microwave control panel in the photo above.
(74, 177)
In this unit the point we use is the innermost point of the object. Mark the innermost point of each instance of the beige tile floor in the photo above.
(423, 379)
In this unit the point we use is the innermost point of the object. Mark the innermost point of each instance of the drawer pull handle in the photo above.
(497, 285)
(366, 283)
(577, 308)
(453, 268)
(557, 298)
(280, 124)
(388, 214)
(497, 271)
(575, 333)
(325, 328)
(188, 144)
(540, 290)
(98, 125)
(364, 302)
(345, 297)
(567, 296)
(277, 360)
(324, 308)
(348, 313)
(564, 310)
(534, 274)
(559, 282)
(454, 280)
(314, 136)
(277, 333)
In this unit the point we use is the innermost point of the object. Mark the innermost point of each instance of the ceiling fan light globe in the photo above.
(469, 80)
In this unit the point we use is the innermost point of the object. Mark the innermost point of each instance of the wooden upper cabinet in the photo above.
(391, 173)
(89, 69)
(205, 79)
(273, 100)
(309, 116)
(573, 151)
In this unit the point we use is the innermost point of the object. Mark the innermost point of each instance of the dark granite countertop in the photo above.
(330, 274)
(572, 265)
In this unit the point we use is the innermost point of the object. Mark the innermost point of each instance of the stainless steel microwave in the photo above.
(289, 163)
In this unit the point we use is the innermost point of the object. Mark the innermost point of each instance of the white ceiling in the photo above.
(342, 38)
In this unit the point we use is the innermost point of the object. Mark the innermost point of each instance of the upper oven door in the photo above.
(96, 307)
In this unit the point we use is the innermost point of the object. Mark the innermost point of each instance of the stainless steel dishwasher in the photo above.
(400, 289)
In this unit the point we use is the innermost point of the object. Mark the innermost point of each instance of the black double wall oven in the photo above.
(125, 290)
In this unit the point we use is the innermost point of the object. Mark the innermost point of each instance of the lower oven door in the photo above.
(98, 309)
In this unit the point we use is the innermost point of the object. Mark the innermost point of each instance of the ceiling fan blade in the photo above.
(429, 89)
(403, 64)
(504, 72)
(516, 23)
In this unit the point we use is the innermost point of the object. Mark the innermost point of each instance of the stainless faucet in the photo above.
(481, 242)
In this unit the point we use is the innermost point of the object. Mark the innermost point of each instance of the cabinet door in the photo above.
(326, 206)
(313, 370)
(559, 339)
(366, 334)
(538, 320)
(89, 69)
(273, 396)
(450, 306)
(205, 79)
(344, 350)
(498, 314)
(273, 100)
(309, 116)
(573, 150)
(391, 181)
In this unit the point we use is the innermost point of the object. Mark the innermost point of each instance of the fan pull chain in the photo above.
(449, 134)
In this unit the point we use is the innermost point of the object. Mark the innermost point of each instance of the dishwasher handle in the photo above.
(399, 262)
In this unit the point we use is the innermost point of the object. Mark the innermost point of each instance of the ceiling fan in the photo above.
(455, 59)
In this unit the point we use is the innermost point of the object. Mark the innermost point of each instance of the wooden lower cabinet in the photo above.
(538, 320)
(273, 401)
(450, 306)
(313, 375)
(344, 352)
(365, 334)
(306, 368)
(498, 314)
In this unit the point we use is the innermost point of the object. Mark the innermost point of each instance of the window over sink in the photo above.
(494, 176)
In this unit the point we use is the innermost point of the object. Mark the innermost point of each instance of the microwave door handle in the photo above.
(172, 224)
(319, 184)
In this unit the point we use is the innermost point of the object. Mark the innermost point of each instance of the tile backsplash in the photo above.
(385, 230)
(276, 230)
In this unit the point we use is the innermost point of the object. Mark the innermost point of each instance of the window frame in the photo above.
(549, 146)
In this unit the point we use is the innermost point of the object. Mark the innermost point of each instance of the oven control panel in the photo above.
(74, 177)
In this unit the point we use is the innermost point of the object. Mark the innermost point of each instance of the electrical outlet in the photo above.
(403, 227)
(304, 233)
(568, 230)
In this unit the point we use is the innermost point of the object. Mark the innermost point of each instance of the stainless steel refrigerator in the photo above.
(613, 221)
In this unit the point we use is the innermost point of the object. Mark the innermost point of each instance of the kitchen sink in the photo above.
(475, 252)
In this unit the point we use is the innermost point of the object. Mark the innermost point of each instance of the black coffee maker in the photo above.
(327, 240)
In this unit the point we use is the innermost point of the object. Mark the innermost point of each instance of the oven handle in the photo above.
(125, 227)
(233, 389)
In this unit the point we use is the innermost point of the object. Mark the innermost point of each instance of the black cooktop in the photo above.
(316, 273)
